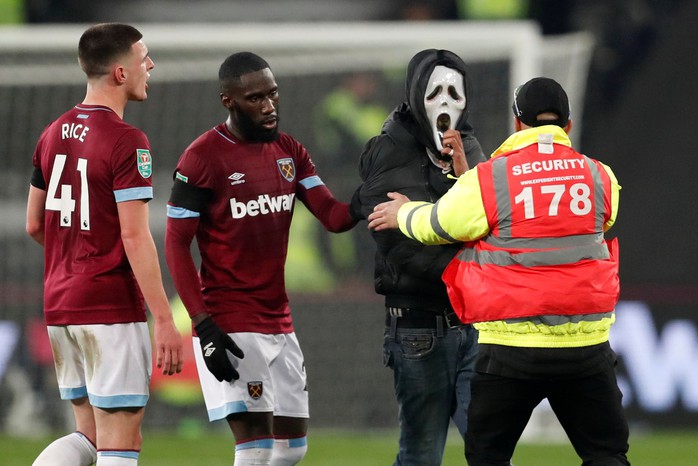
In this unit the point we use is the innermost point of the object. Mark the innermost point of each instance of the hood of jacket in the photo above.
(419, 71)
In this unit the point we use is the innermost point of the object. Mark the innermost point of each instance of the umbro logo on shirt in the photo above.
(236, 178)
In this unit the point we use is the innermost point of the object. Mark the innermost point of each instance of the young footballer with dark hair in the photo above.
(88, 207)
(234, 191)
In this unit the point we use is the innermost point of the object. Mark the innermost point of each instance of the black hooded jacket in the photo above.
(407, 272)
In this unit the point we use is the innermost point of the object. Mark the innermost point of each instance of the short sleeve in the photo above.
(133, 167)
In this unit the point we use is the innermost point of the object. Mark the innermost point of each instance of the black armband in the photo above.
(189, 197)
(38, 179)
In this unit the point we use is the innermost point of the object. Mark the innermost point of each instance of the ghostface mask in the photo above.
(444, 101)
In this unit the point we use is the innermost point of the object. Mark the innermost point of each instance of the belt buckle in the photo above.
(448, 316)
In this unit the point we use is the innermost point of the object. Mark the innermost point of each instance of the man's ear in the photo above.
(568, 127)
(226, 101)
(119, 74)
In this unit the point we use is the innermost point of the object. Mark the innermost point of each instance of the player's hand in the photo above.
(169, 356)
(215, 345)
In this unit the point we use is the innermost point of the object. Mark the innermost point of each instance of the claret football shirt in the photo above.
(90, 160)
(243, 194)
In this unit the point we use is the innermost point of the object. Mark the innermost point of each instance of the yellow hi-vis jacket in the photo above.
(536, 271)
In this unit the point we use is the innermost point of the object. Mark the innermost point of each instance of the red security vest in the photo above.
(545, 253)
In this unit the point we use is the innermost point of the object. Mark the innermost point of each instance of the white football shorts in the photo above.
(110, 364)
(272, 378)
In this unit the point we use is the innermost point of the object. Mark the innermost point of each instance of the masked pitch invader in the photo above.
(444, 103)
(424, 142)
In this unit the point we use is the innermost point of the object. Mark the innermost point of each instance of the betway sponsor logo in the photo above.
(263, 205)
(662, 373)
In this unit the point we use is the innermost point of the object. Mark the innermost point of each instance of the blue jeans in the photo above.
(432, 371)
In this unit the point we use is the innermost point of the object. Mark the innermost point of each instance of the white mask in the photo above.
(444, 100)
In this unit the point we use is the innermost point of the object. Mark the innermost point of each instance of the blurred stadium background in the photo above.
(631, 74)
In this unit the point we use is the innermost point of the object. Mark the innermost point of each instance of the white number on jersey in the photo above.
(579, 205)
(65, 204)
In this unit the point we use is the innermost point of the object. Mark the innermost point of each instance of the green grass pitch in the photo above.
(369, 448)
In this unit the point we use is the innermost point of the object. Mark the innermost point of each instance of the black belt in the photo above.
(407, 317)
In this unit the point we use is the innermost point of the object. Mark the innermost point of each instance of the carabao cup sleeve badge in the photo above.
(287, 168)
(145, 162)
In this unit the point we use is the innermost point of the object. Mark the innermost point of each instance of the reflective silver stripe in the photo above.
(538, 258)
(599, 211)
(409, 219)
(501, 187)
(434, 223)
(552, 321)
(501, 192)
(436, 226)
(544, 243)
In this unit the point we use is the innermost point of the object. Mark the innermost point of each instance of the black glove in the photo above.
(214, 343)
(355, 206)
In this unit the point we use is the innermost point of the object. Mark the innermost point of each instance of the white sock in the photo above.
(72, 450)
(117, 458)
(288, 452)
(254, 453)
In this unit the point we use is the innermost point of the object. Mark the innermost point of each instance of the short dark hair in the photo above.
(239, 64)
(102, 44)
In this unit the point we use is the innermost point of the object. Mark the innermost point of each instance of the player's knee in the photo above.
(289, 452)
(253, 452)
